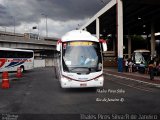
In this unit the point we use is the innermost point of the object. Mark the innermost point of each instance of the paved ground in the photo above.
(135, 76)
(39, 93)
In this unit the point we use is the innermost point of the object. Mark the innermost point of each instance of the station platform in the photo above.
(134, 76)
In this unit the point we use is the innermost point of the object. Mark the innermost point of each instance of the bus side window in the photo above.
(9, 54)
(2, 54)
(15, 55)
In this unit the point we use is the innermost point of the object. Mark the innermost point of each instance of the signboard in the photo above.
(80, 43)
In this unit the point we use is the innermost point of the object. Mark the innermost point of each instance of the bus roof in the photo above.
(12, 49)
(78, 35)
(142, 50)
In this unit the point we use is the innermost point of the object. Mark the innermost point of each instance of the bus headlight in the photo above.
(100, 78)
(66, 79)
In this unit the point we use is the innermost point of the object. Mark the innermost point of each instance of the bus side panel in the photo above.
(12, 64)
(29, 64)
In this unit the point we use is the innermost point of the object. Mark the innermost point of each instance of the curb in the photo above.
(131, 79)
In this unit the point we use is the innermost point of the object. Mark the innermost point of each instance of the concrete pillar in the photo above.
(129, 46)
(97, 28)
(152, 40)
(120, 34)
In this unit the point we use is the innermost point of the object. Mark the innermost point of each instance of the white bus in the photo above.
(141, 56)
(141, 59)
(11, 59)
(81, 62)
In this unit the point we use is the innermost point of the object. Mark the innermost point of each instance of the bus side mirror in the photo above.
(58, 45)
(104, 44)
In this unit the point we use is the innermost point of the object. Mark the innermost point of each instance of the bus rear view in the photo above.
(80, 63)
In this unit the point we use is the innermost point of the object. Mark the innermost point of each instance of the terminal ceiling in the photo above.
(138, 15)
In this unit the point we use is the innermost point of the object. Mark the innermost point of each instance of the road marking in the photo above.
(131, 79)
(132, 86)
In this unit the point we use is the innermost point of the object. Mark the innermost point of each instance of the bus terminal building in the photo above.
(121, 21)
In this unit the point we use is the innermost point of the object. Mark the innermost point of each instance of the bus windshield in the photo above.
(80, 57)
(142, 57)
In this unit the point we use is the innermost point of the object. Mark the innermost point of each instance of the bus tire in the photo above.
(22, 69)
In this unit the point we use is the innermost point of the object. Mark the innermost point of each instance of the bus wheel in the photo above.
(22, 69)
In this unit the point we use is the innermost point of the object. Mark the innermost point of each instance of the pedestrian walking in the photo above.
(158, 68)
(151, 68)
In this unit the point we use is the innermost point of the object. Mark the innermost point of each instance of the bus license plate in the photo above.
(83, 84)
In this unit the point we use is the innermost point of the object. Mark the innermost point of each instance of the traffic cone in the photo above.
(5, 80)
(19, 73)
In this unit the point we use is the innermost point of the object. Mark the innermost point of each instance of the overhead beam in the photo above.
(102, 11)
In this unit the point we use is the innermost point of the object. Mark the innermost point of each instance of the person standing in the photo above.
(130, 64)
(126, 65)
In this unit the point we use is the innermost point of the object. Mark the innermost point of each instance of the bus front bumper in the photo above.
(65, 83)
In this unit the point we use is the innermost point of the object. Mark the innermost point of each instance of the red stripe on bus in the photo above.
(2, 62)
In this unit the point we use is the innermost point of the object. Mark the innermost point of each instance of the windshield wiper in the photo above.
(77, 68)
(89, 69)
